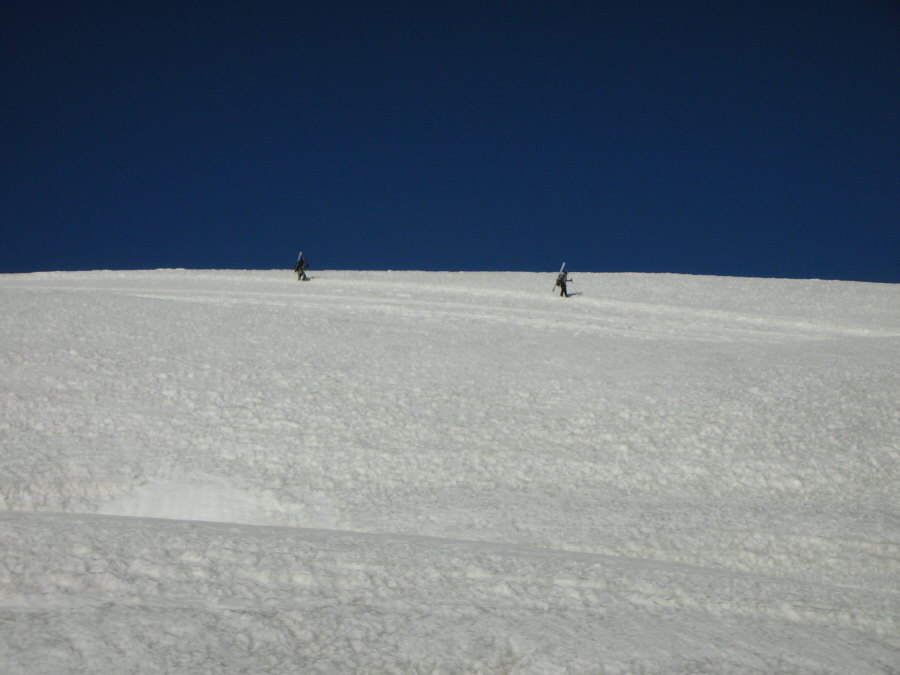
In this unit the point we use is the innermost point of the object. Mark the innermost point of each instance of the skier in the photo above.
(300, 269)
(561, 281)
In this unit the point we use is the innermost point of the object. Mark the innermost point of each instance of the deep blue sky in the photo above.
(713, 137)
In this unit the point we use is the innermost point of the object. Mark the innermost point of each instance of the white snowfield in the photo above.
(423, 472)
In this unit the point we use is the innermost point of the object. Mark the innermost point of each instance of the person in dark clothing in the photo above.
(561, 281)
(300, 269)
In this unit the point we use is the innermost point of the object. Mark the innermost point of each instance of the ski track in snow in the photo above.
(447, 472)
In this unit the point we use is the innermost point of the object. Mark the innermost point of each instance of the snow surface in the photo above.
(395, 472)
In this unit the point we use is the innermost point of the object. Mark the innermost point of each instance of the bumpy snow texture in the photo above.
(394, 472)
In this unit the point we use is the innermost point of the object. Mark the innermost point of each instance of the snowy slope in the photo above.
(231, 471)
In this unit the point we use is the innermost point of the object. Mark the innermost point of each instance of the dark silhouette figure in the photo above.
(561, 281)
(300, 269)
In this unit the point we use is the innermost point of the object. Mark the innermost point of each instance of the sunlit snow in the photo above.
(396, 472)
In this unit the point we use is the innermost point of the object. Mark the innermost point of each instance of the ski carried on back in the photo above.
(562, 274)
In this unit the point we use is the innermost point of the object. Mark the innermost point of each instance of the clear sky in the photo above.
(709, 137)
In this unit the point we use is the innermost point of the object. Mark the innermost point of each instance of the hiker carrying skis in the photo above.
(561, 281)
(300, 269)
